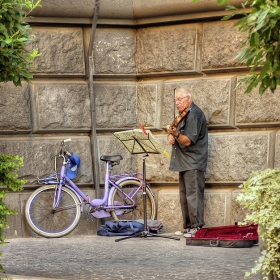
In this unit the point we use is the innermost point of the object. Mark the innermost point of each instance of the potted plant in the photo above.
(261, 196)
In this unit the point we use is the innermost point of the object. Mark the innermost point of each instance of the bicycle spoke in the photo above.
(136, 211)
(50, 222)
(65, 208)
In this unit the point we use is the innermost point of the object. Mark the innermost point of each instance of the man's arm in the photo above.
(181, 138)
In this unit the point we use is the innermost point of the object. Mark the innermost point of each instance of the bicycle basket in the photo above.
(73, 166)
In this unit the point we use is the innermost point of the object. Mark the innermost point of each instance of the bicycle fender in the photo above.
(80, 199)
(127, 178)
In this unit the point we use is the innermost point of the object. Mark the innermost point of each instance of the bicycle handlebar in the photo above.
(62, 145)
(62, 152)
(65, 141)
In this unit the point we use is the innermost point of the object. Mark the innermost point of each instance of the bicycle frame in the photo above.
(108, 190)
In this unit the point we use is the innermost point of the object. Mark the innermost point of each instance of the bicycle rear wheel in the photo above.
(46, 221)
(118, 198)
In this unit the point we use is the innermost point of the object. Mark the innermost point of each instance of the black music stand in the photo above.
(139, 141)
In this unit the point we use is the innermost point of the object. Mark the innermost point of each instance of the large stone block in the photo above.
(221, 44)
(15, 108)
(60, 106)
(214, 96)
(25, 230)
(215, 205)
(234, 156)
(115, 105)
(149, 107)
(257, 110)
(39, 156)
(277, 150)
(114, 51)
(169, 49)
(62, 51)
(237, 212)
(169, 209)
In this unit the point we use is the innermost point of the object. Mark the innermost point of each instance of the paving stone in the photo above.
(98, 257)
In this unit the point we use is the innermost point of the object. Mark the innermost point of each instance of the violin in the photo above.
(179, 118)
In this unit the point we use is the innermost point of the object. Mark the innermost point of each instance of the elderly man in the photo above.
(188, 136)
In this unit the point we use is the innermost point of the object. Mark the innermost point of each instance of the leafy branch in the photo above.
(15, 59)
(9, 166)
(261, 49)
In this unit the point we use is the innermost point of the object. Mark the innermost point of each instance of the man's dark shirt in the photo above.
(183, 158)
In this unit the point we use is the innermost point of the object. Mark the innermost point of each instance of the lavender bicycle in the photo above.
(54, 210)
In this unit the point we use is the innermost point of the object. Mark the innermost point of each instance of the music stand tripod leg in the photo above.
(145, 233)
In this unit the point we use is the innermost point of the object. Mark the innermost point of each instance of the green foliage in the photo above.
(262, 46)
(261, 196)
(9, 165)
(15, 59)
(261, 49)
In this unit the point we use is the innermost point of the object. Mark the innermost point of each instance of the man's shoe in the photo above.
(182, 232)
(192, 232)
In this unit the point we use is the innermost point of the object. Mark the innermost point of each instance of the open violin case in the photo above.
(232, 236)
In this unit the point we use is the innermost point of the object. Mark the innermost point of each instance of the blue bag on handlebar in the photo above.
(73, 166)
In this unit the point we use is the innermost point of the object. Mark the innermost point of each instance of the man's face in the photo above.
(182, 101)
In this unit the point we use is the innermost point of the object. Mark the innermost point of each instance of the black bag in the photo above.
(120, 228)
(153, 226)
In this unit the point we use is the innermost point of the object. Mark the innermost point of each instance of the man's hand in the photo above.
(172, 131)
(170, 139)
(183, 139)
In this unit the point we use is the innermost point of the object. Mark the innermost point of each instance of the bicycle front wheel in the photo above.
(50, 222)
(137, 212)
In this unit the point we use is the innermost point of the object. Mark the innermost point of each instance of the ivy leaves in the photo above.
(261, 197)
(15, 58)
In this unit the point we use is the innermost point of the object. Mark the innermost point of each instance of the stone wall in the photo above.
(142, 51)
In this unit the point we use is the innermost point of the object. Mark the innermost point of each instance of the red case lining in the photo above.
(225, 236)
(232, 232)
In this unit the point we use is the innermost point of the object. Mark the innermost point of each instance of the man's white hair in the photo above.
(184, 90)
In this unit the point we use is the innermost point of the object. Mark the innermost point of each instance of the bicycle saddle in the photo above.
(112, 159)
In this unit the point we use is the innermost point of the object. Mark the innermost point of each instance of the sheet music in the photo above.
(137, 142)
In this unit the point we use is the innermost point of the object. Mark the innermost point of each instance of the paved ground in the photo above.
(95, 257)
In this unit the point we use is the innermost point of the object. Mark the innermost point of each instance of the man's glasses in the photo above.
(180, 99)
